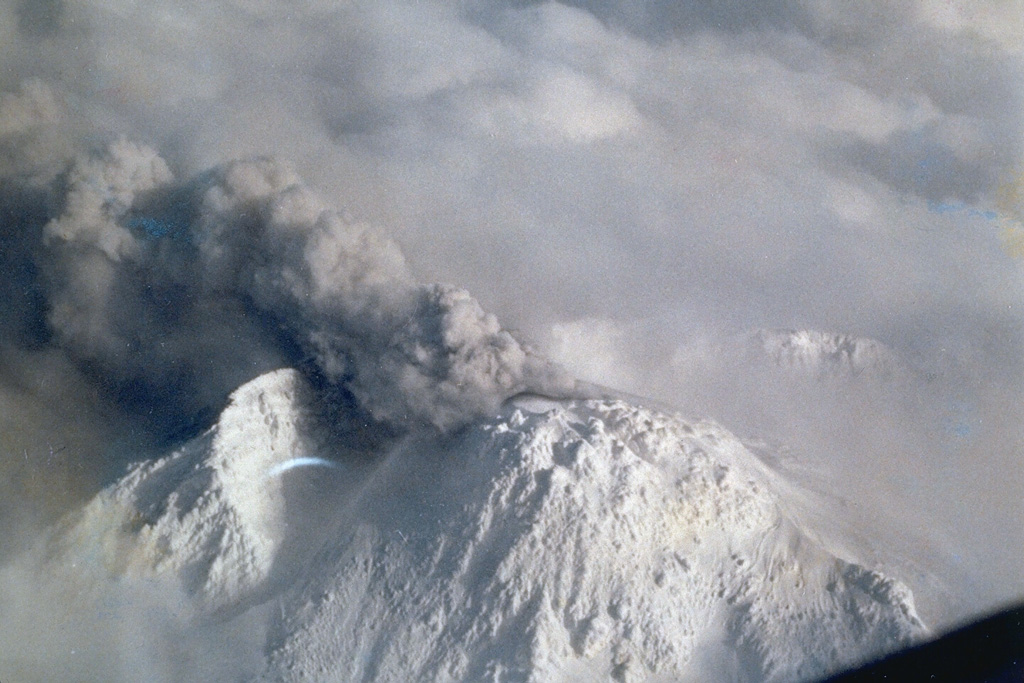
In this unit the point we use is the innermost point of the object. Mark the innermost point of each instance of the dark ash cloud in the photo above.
(176, 284)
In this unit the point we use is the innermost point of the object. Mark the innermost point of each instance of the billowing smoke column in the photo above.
(205, 282)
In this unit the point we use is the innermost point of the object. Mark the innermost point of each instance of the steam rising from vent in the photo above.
(163, 282)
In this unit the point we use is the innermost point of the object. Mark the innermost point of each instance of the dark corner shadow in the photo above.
(987, 651)
(23, 214)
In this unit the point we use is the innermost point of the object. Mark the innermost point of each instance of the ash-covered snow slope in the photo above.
(580, 540)
(558, 540)
(210, 516)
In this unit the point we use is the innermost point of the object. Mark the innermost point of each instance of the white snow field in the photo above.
(575, 540)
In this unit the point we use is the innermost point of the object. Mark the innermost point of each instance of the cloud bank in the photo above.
(719, 165)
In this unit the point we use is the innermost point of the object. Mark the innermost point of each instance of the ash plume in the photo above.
(196, 284)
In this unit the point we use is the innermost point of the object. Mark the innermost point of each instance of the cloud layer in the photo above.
(600, 159)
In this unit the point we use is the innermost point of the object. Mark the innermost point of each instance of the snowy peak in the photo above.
(266, 423)
(554, 541)
(209, 515)
(825, 353)
(577, 542)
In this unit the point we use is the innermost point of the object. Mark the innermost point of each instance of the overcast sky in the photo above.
(623, 184)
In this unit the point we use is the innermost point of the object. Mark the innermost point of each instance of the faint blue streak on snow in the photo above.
(305, 461)
(154, 228)
(172, 224)
(959, 207)
(960, 415)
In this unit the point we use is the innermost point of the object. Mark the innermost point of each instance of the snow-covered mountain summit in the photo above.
(557, 540)
(580, 541)
(211, 514)
(825, 353)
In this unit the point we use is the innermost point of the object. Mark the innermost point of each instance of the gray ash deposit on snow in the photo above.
(555, 540)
